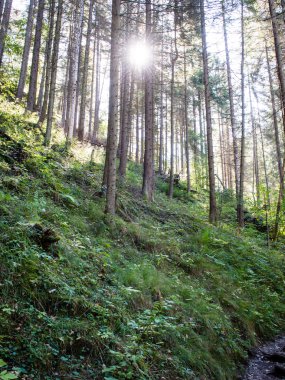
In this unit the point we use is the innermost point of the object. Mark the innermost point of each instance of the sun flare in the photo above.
(139, 54)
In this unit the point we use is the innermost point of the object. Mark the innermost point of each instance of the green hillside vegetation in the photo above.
(153, 293)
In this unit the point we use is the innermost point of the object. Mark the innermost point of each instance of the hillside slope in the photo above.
(155, 293)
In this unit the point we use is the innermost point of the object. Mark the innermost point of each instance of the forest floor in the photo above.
(268, 361)
(153, 293)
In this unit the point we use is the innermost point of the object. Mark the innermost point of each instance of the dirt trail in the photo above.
(268, 361)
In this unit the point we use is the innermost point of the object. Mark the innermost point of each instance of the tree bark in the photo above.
(32, 95)
(97, 92)
(240, 205)
(44, 107)
(187, 151)
(82, 114)
(4, 27)
(173, 62)
(110, 163)
(211, 167)
(54, 67)
(126, 129)
(73, 70)
(274, 115)
(26, 52)
(232, 107)
(148, 174)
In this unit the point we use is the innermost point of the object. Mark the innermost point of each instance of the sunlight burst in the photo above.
(139, 54)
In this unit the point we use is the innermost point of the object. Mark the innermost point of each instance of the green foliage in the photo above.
(156, 293)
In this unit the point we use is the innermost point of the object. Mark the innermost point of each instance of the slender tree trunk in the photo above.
(91, 110)
(26, 52)
(281, 77)
(274, 115)
(97, 92)
(142, 138)
(4, 27)
(232, 107)
(50, 38)
(173, 62)
(2, 3)
(82, 114)
(255, 149)
(161, 131)
(65, 89)
(240, 206)
(166, 134)
(32, 95)
(110, 163)
(54, 66)
(187, 152)
(126, 128)
(213, 207)
(39, 103)
(73, 69)
(79, 77)
(148, 174)
(221, 141)
(137, 128)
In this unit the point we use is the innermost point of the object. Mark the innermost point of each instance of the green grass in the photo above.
(155, 293)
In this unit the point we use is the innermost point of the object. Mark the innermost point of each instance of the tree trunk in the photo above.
(26, 52)
(281, 77)
(4, 27)
(125, 138)
(97, 92)
(173, 62)
(79, 77)
(255, 148)
(32, 95)
(91, 110)
(148, 174)
(73, 69)
(187, 152)
(110, 163)
(81, 124)
(53, 78)
(43, 113)
(240, 205)
(232, 107)
(2, 3)
(137, 127)
(274, 115)
(211, 167)
(161, 131)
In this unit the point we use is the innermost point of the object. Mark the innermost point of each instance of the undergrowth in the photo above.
(154, 293)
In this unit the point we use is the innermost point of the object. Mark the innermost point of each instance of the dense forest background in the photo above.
(199, 87)
(142, 186)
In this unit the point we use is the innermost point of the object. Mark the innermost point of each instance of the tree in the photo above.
(26, 51)
(32, 94)
(110, 162)
(54, 68)
(148, 173)
(81, 124)
(5, 19)
(48, 59)
(240, 205)
(73, 69)
(211, 167)
(172, 100)
(231, 100)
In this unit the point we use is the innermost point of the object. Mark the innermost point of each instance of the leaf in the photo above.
(69, 199)
(2, 363)
(8, 376)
